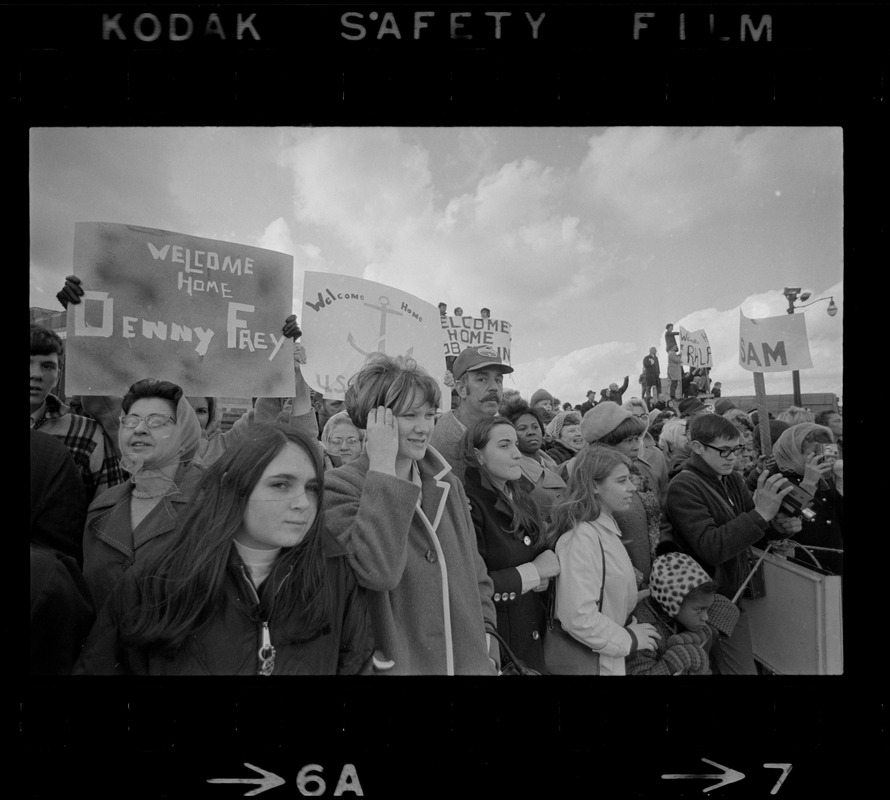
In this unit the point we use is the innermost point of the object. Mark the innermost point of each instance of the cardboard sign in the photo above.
(695, 349)
(774, 344)
(463, 332)
(204, 314)
(345, 319)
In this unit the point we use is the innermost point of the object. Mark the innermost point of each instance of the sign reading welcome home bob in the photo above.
(345, 319)
(202, 313)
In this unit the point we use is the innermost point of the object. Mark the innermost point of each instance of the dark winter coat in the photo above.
(520, 617)
(559, 452)
(230, 643)
(714, 521)
(111, 546)
(61, 611)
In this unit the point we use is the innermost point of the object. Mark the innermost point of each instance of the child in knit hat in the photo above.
(687, 612)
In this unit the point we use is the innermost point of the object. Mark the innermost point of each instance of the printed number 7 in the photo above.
(786, 768)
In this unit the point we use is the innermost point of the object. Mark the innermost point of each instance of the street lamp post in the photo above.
(791, 295)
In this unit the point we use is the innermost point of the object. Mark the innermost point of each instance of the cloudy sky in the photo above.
(588, 240)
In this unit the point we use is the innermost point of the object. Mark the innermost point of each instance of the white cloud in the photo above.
(277, 236)
(364, 184)
(571, 375)
(662, 179)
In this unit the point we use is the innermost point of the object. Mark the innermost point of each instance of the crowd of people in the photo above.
(385, 534)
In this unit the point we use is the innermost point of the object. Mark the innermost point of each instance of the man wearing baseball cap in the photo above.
(479, 379)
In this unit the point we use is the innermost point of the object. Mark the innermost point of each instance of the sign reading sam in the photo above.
(202, 313)
(774, 344)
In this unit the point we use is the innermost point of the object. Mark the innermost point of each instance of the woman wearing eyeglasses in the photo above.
(342, 441)
(158, 436)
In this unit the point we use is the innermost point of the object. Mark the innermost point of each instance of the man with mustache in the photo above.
(479, 379)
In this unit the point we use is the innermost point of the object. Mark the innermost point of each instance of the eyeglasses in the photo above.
(725, 452)
(151, 421)
(338, 440)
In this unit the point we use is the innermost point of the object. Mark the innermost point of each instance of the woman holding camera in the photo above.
(806, 454)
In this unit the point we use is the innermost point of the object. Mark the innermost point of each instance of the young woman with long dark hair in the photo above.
(510, 535)
(251, 584)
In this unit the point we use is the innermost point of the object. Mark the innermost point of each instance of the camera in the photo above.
(798, 503)
(829, 451)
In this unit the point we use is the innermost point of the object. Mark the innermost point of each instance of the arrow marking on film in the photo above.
(729, 776)
(269, 780)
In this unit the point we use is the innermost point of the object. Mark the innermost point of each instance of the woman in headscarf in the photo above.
(341, 440)
(159, 436)
(806, 454)
(564, 431)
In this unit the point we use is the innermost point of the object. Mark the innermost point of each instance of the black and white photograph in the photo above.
(441, 342)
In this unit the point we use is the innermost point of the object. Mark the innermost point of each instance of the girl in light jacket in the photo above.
(592, 558)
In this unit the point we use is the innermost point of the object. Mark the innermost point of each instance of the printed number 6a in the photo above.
(348, 781)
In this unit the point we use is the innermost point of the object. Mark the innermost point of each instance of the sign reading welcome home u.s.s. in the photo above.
(463, 332)
(774, 344)
(202, 313)
(345, 319)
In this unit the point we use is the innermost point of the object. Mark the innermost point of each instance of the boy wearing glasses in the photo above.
(92, 451)
(716, 519)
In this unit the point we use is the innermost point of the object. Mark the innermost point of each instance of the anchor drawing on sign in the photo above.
(380, 347)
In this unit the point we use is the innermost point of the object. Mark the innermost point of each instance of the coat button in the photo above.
(497, 596)
(512, 595)
(536, 635)
(431, 556)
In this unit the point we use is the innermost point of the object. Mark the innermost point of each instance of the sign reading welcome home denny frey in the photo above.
(345, 319)
(202, 313)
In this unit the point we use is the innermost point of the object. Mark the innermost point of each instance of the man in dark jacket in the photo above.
(651, 375)
(716, 519)
(616, 393)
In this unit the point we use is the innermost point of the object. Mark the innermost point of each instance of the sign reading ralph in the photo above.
(202, 313)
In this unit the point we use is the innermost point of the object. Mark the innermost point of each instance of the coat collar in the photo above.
(108, 514)
(435, 489)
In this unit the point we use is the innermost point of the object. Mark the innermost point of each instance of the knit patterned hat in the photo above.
(675, 575)
(602, 419)
(541, 394)
(563, 418)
